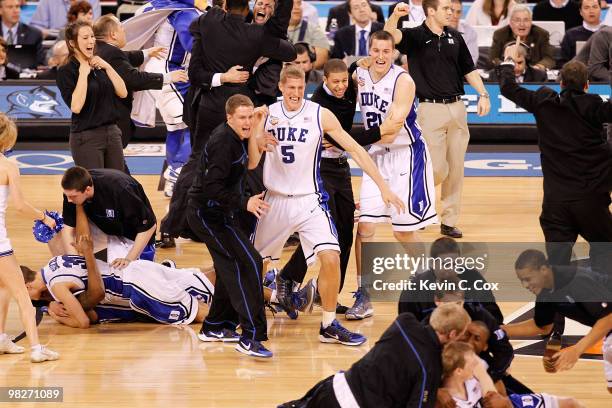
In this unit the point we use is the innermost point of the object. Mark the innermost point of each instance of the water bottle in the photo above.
(552, 347)
(333, 27)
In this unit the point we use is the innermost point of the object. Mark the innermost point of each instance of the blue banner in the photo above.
(45, 102)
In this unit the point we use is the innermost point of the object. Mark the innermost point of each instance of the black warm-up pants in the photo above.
(238, 294)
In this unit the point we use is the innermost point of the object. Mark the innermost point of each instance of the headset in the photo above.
(309, 49)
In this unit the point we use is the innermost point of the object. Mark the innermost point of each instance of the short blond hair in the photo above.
(8, 133)
(454, 356)
(448, 317)
(292, 71)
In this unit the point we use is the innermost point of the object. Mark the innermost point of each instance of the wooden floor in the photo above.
(127, 365)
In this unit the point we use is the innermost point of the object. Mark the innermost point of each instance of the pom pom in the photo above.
(44, 234)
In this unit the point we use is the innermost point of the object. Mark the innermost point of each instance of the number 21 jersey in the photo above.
(375, 101)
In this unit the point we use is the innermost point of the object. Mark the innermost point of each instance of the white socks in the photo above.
(37, 347)
(358, 281)
(273, 298)
(327, 318)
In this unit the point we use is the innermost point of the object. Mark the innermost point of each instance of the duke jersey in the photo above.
(72, 269)
(375, 100)
(474, 395)
(292, 168)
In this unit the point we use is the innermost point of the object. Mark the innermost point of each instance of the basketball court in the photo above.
(151, 365)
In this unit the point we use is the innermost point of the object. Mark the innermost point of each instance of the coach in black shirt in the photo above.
(116, 203)
(214, 198)
(576, 161)
(403, 369)
(438, 61)
(576, 293)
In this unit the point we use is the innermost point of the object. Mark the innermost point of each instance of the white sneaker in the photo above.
(43, 354)
(8, 347)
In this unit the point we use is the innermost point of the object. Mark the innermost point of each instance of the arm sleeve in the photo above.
(136, 58)
(218, 169)
(407, 44)
(197, 75)
(182, 21)
(524, 98)
(275, 48)
(544, 313)
(69, 213)
(277, 25)
(66, 82)
(598, 59)
(134, 79)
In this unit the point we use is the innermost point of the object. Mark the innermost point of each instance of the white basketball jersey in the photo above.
(474, 395)
(72, 268)
(375, 100)
(292, 168)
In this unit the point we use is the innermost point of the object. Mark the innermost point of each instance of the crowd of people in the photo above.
(351, 24)
(246, 171)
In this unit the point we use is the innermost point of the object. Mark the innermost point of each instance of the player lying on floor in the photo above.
(86, 290)
(465, 378)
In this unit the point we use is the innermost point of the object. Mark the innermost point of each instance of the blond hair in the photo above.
(454, 356)
(292, 71)
(448, 317)
(8, 133)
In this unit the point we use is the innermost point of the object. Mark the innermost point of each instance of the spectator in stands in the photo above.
(590, 10)
(341, 14)
(80, 10)
(310, 13)
(305, 58)
(353, 40)
(523, 72)
(50, 15)
(301, 30)
(6, 71)
(59, 54)
(567, 11)
(415, 16)
(467, 32)
(596, 55)
(489, 12)
(15, 32)
(535, 38)
(91, 88)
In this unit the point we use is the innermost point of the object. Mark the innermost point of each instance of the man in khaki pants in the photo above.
(439, 60)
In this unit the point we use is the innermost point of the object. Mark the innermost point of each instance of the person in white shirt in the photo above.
(489, 12)
(465, 378)
(416, 14)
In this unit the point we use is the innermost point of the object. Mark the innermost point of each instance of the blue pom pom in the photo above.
(44, 234)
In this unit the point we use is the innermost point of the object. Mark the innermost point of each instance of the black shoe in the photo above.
(166, 241)
(452, 232)
(340, 309)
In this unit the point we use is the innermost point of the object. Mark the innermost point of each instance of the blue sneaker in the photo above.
(362, 307)
(270, 279)
(303, 299)
(224, 335)
(252, 348)
(335, 333)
